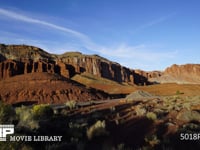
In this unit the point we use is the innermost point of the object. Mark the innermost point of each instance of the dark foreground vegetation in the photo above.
(127, 124)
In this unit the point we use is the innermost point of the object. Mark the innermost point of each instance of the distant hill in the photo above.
(181, 74)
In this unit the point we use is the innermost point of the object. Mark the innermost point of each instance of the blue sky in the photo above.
(144, 34)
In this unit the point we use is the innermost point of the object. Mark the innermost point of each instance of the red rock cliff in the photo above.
(98, 66)
(27, 59)
(189, 73)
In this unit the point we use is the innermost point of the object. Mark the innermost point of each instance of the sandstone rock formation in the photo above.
(98, 66)
(9, 68)
(27, 59)
(22, 59)
(189, 73)
(18, 52)
(182, 74)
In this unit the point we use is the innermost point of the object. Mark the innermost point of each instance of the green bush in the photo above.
(26, 117)
(30, 117)
(7, 113)
(42, 111)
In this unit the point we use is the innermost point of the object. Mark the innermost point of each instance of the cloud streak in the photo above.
(154, 22)
(143, 52)
(20, 17)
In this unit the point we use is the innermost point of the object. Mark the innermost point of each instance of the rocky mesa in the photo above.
(22, 59)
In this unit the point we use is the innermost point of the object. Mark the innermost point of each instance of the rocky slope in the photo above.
(45, 88)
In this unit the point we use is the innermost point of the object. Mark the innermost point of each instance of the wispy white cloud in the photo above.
(142, 51)
(153, 22)
(140, 56)
(21, 17)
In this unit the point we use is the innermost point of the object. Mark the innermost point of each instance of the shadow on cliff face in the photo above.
(2, 58)
(141, 80)
(24, 103)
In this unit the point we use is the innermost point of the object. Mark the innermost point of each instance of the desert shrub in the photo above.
(151, 116)
(189, 116)
(29, 117)
(152, 140)
(186, 105)
(7, 113)
(140, 111)
(97, 129)
(26, 117)
(42, 111)
(178, 92)
(71, 104)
